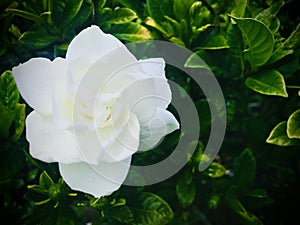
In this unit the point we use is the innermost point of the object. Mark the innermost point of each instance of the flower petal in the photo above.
(49, 144)
(145, 95)
(97, 180)
(91, 42)
(36, 80)
(162, 123)
(153, 66)
(126, 144)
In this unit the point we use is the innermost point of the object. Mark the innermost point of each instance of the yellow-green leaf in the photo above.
(293, 125)
(278, 136)
(269, 83)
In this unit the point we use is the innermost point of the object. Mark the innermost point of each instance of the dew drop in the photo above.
(91, 179)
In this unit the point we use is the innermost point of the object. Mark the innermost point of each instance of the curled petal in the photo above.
(161, 123)
(36, 80)
(97, 180)
(49, 144)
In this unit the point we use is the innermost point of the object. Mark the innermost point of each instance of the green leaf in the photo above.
(117, 16)
(181, 9)
(7, 118)
(45, 180)
(26, 15)
(270, 82)
(258, 38)
(216, 170)
(156, 9)
(216, 42)
(131, 32)
(19, 120)
(71, 10)
(293, 125)
(185, 190)
(151, 209)
(244, 168)
(9, 95)
(239, 9)
(37, 39)
(123, 214)
(266, 16)
(278, 136)
(287, 47)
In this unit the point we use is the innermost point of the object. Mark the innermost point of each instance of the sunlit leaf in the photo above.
(258, 38)
(270, 82)
(131, 32)
(278, 136)
(118, 16)
(293, 125)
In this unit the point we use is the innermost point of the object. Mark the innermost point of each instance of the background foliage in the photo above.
(253, 49)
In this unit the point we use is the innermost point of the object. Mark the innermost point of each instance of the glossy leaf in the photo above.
(36, 39)
(216, 170)
(293, 125)
(270, 82)
(7, 118)
(118, 16)
(258, 38)
(9, 95)
(131, 32)
(245, 168)
(278, 136)
(151, 209)
(19, 120)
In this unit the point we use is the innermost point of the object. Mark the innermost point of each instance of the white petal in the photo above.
(91, 42)
(126, 144)
(36, 80)
(153, 66)
(144, 95)
(162, 123)
(97, 180)
(48, 144)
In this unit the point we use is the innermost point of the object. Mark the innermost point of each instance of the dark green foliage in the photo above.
(253, 49)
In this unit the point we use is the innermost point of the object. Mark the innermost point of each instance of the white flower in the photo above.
(94, 109)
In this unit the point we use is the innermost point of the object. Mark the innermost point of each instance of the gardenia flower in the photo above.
(94, 109)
